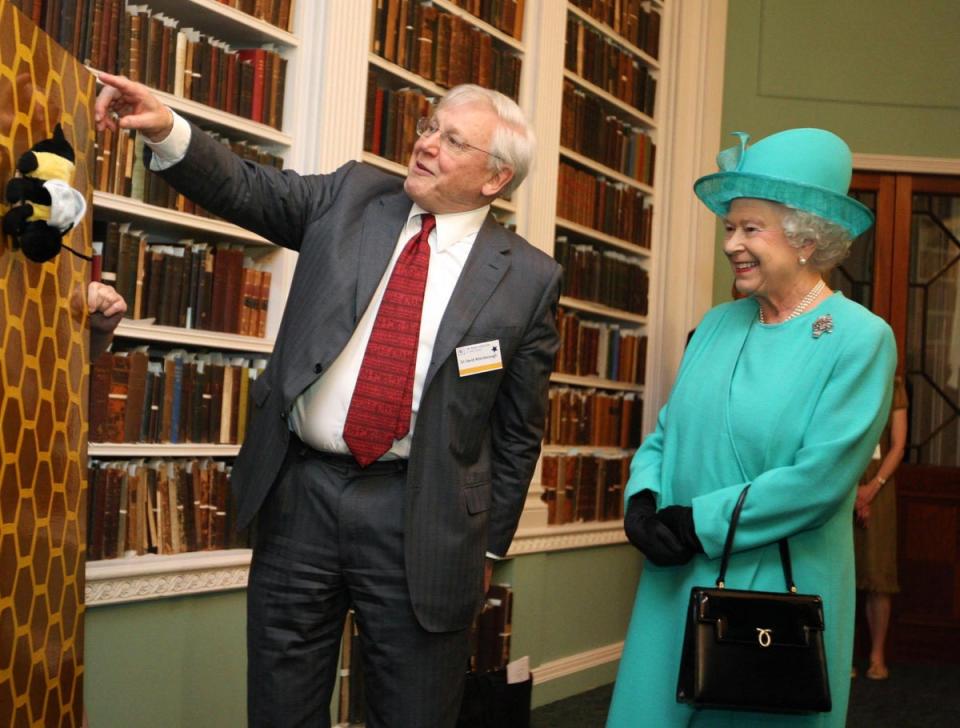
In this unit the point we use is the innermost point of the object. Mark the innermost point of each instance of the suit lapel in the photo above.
(383, 219)
(485, 267)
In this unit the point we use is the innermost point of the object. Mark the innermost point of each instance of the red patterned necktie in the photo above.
(383, 398)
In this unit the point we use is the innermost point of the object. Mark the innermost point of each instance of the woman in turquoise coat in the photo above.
(786, 389)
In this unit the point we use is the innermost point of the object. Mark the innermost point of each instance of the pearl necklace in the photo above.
(802, 306)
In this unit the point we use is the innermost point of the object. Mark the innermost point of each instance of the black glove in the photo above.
(650, 535)
(679, 519)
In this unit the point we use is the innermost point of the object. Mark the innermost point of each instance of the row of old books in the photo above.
(158, 506)
(583, 488)
(594, 349)
(114, 36)
(442, 47)
(390, 127)
(189, 284)
(275, 12)
(596, 58)
(608, 277)
(171, 397)
(587, 127)
(634, 20)
(614, 208)
(182, 61)
(504, 15)
(598, 418)
(120, 169)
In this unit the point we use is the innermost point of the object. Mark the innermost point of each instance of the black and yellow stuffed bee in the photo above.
(44, 204)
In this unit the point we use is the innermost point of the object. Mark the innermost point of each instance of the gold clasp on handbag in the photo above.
(764, 636)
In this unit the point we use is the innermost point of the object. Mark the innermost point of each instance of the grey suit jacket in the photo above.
(477, 438)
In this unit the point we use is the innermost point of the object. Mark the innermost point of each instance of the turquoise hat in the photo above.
(808, 169)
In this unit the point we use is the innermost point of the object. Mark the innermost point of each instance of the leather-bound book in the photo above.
(425, 40)
(257, 58)
(248, 303)
(441, 66)
(111, 512)
(99, 395)
(279, 95)
(216, 402)
(97, 504)
(148, 501)
(242, 405)
(403, 32)
(264, 300)
(136, 395)
(233, 291)
(188, 507)
(219, 288)
(226, 405)
(549, 469)
(391, 29)
(114, 427)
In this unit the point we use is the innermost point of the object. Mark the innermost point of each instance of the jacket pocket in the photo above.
(477, 497)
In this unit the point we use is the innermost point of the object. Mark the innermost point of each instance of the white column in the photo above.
(691, 94)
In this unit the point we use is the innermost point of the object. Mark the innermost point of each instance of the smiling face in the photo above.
(442, 180)
(765, 264)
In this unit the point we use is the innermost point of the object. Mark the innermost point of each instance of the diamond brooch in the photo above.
(823, 325)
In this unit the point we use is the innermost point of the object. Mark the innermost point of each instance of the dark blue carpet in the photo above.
(915, 696)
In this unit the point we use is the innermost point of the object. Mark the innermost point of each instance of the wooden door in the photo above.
(908, 270)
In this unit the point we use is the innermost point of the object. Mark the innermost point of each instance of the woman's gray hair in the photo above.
(513, 141)
(832, 240)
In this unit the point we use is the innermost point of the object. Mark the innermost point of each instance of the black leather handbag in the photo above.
(753, 650)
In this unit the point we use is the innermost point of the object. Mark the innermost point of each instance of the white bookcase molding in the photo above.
(140, 578)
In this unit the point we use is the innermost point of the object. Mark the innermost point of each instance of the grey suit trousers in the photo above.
(330, 536)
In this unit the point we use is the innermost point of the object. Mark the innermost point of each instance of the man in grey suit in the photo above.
(398, 530)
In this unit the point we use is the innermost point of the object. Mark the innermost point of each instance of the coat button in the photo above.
(283, 415)
(318, 367)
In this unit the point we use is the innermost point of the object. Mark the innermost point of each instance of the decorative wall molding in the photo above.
(898, 163)
(155, 577)
(576, 663)
(569, 536)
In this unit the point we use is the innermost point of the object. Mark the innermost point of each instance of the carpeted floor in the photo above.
(915, 696)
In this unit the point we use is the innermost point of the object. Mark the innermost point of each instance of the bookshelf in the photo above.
(391, 71)
(608, 133)
(149, 575)
(327, 81)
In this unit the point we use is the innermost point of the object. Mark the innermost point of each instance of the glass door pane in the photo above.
(854, 276)
(933, 331)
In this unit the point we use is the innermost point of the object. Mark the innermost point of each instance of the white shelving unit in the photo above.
(135, 578)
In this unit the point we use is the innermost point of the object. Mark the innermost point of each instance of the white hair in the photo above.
(513, 141)
(832, 241)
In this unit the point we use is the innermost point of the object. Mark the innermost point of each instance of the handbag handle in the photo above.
(728, 547)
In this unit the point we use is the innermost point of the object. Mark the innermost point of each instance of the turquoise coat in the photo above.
(798, 417)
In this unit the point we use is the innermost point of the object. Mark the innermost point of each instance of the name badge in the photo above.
(477, 358)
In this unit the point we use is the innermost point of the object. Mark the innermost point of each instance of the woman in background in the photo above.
(787, 390)
(875, 532)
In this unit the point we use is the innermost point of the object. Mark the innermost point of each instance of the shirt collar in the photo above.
(453, 227)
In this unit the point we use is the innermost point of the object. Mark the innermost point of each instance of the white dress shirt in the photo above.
(320, 412)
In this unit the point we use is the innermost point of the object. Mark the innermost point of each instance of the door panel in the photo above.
(915, 286)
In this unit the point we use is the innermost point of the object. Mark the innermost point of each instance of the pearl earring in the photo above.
(803, 261)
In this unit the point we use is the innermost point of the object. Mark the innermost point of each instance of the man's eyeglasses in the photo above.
(428, 127)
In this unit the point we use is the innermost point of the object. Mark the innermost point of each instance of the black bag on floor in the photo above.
(490, 702)
(751, 650)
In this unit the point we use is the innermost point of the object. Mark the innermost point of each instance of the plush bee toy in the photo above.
(44, 204)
